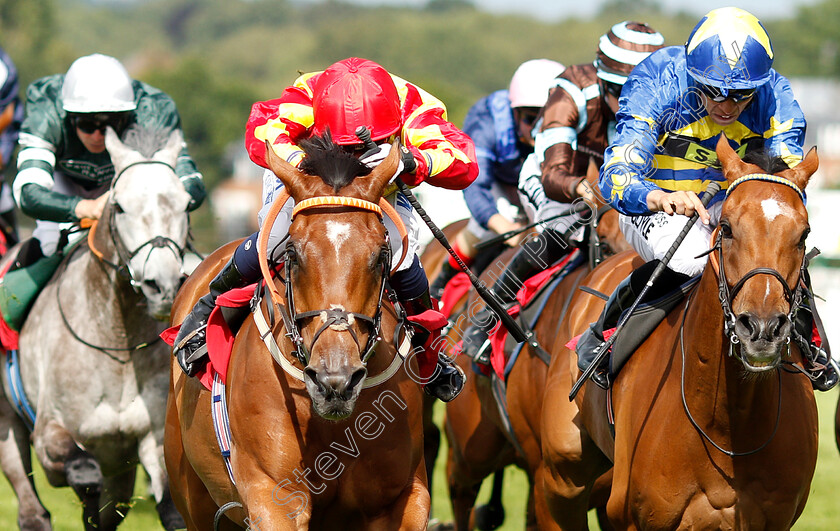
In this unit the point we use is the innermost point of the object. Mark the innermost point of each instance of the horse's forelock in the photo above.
(765, 160)
(146, 141)
(327, 160)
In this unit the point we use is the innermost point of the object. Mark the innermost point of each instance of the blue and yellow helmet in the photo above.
(729, 49)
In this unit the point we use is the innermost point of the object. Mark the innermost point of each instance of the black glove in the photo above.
(407, 157)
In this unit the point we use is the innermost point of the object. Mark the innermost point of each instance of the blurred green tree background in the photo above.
(217, 57)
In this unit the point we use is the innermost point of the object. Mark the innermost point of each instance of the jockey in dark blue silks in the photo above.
(64, 171)
(500, 124)
(673, 109)
(11, 116)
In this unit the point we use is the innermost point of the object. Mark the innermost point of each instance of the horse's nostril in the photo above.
(152, 286)
(778, 327)
(747, 326)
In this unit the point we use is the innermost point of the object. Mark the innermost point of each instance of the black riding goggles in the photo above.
(613, 89)
(89, 124)
(736, 95)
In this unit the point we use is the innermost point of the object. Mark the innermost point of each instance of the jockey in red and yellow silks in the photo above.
(445, 155)
(350, 94)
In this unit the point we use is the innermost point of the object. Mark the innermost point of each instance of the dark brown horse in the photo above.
(478, 441)
(710, 431)
(322, 438)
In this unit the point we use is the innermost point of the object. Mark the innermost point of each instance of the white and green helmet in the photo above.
(97, 83)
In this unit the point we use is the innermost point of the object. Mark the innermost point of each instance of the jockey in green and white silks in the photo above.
(62, 165)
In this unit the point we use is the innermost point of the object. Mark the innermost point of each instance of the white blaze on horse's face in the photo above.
(338, 233)
(771, 209)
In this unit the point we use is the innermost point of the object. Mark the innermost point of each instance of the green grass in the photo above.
(821, 514)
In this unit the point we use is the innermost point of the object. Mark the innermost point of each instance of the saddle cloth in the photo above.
(219, 335)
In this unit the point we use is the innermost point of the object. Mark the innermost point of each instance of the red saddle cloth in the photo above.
(498, 357)
(219, 336)
(8, 337)
(455, 289)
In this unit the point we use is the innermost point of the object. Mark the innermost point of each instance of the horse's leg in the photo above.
(571, 461)
(16, 462)
(66, 464)
(410, 511)
(492, 515)
(116, 499)
(431, 437)
(150, 452)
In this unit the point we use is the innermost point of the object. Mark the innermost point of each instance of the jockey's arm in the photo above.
(555, 148)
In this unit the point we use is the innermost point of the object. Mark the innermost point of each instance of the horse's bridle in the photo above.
(794, 296)
(124, 255)
(336, 317)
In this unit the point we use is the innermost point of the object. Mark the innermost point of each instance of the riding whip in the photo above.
(490, 298)
(604, 349)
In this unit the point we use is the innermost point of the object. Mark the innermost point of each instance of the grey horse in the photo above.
(91, 363)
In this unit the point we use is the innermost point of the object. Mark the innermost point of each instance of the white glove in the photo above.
(374, 159)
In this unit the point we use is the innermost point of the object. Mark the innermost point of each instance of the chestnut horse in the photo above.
(321, 436)
(479, 444)
(711, 431)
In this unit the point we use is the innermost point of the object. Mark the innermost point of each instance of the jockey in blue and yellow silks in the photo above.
(672, 111)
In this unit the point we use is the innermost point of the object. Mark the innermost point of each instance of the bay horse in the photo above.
(480, 444)
(323, 433)
(711, 430)
(91, 363)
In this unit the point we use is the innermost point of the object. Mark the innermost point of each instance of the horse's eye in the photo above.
(118, 208)
(804, 237)
(725, 230)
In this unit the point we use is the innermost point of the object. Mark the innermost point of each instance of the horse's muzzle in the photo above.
(762, 339)
(334, 392)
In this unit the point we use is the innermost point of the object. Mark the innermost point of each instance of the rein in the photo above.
(726, 295)
(336, 317)
(105, 350)
(730, 453)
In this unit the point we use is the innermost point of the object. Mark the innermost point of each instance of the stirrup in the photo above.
(448, 390)
(201, 347)
(823, 371)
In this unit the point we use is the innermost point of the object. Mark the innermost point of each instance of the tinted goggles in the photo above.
(91, 124)
(528, 115)
(736, 95)
(613, 89)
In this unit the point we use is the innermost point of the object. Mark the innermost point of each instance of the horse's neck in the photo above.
(109, 294)
(709, 369)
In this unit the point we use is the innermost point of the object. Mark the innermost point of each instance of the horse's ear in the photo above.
(121, 155)
(292, 178)
(732, 165)
(372, 186)
(802, 172)
(169, 153)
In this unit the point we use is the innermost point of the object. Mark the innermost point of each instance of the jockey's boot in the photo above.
(447, 379)
(625, 294)
(447, 271)
(191, 342)
(810, 339)
(535, 255)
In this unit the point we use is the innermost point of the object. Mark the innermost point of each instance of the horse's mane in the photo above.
(766, 161)
(145, 140)
(330, 162)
